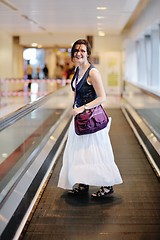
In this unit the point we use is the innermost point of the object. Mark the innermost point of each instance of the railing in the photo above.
(29, 141)
(19, 87)
(20, 113)
(142, 110)
(22, 135)
(24, 88)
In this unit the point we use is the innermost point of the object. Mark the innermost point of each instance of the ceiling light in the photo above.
(52, 138)
(4, 155)
(101, 8)
(101, 33)
(100, 17)
(34, 44)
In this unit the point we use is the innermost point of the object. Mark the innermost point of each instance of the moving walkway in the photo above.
(32, 207)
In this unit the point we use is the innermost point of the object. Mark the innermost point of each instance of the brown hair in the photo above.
(84, 42)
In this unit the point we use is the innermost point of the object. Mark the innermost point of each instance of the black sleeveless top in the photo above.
(85, 93)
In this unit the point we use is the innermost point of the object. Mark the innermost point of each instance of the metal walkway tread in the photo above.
(131, 213)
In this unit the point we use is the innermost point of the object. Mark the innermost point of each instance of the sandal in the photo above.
(102, 192)
(80, 190)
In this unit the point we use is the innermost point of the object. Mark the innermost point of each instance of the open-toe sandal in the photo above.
(80, 190)
(102, 192)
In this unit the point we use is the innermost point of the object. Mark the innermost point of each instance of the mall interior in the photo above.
(36, 101)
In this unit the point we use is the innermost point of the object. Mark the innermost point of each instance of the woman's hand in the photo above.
(76, 111)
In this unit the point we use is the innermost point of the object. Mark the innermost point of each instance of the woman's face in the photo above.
(80, 54)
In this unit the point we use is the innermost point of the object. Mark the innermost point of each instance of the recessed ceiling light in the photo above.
(34, 44)
(100, 17)
(4, 155)
(101, 33)
(101, 8)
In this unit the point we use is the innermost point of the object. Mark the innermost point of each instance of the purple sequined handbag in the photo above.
(91, 121)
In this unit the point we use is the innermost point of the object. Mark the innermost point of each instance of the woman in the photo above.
(88, 159)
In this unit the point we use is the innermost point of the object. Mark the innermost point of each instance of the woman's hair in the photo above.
(84, 42)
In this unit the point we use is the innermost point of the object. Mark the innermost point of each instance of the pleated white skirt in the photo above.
(88, 159)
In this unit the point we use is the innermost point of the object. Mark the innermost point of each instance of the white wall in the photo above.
(109, 49)
(147, 21)
(130, 61)
(50, 60)
(50, 40)
(11, 61)
(107, 44)
(17, 61)
(6, 56)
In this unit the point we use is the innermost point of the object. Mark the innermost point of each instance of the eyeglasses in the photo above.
(79, 50)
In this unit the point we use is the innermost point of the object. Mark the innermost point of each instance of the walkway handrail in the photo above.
(147, 90)
(23, 111)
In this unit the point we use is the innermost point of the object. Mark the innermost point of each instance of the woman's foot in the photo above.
(80, 190)
(102, 192)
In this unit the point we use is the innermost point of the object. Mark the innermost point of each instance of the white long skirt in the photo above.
(88, 159)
